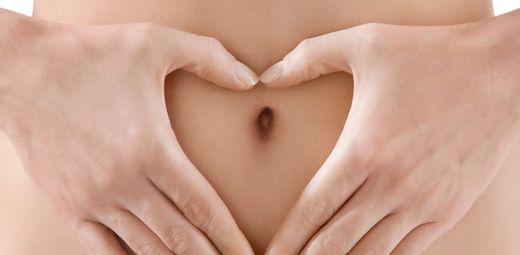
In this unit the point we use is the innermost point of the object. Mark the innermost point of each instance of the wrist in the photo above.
(508, 27)
(507, 32)
(27, 46)
(501, 39)
(17, 30)
(19, 37)
(494, 48)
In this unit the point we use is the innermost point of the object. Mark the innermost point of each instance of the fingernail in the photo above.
(245, 74)
(273, 73)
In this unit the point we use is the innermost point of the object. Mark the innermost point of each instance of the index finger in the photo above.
(333, 184)
(183, 184)
(206, 57)
(319, 55)
(98, 239)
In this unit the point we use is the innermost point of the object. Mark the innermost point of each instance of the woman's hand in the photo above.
(85, 109)
(434, 113)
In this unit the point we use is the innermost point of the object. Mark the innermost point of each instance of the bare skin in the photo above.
(394, 190)
(260, 63)
(101, 166)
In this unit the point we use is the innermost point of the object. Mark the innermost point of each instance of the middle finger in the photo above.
(349, 224)
(170, 225)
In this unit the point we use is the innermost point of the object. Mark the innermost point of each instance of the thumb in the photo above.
(207, 58)
(313, 57)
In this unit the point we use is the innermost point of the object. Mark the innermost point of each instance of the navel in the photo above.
(265, 123)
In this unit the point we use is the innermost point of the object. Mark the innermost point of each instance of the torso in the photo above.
(259, 180)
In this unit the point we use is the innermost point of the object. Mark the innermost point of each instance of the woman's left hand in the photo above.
(434, 113)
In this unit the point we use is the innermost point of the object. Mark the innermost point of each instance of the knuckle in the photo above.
(105, 183)
(315, 212)
(365, 145)
(86, 200)
(146, 248)
(297, 75)
(203, 71)
(228, 243)
(79, 201)
(372, 36)
(358, 155)
(179, 240)
(303, 62)
(129, 143)
(408, 219)
(213, 44)
(80, 226)
(200, 213)
(213, 47)
(143, 31)
(392, 184)
(383, 246)
(133, 133)
(77, 41)
(370, 32)
(83, 232)
(305, 49)
(139, 38)
(305, 43)
(311, 48)
(333, 243)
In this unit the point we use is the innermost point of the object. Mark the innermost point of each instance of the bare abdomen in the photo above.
(259, 162)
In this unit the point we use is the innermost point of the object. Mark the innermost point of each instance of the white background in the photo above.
(25, 6)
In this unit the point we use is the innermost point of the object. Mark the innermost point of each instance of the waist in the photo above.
(259, 33)
(259, 176)
(304, 120)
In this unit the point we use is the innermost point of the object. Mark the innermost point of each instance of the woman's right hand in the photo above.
(85, 109)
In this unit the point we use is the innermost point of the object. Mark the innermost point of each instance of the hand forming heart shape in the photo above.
(89, 122)
(367, 198)
(410, 161)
